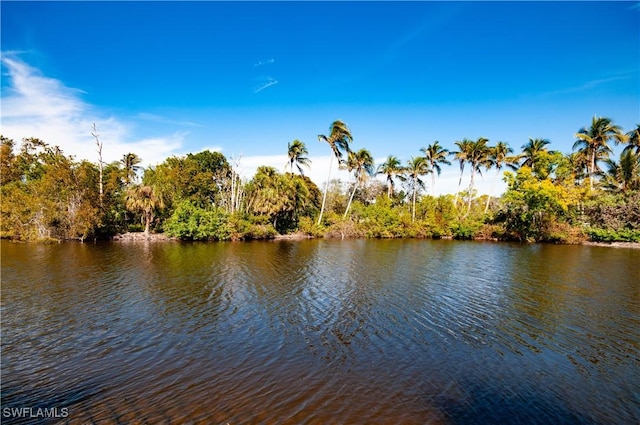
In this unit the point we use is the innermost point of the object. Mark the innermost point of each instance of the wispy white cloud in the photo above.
(589, 85)
(34, 105)
(260, 63)
(270, 82)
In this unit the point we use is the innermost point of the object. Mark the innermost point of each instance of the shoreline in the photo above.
(634, 245)
(160, 237)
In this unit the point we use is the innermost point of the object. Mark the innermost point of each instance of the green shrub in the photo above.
(607, 235)
(189, 222)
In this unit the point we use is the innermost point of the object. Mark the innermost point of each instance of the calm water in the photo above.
(322, 332)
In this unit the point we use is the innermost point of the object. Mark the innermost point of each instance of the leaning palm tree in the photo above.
(633, 140)
(361, 163)
(462, 155)
(435, 155)
(144, 200)
(130, 162)
(339, 139)
(296, 152)
(416, 167)
(594, 140)
(391, 168)
(499, 157)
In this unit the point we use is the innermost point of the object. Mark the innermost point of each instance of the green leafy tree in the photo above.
(435, 155)
(8, 166)
(594, 142)
(339, 140)
(533, 206)
(200, 178)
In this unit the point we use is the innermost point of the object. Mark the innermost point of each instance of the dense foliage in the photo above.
(550, 196)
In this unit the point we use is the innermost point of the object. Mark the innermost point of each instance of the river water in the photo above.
(320, 332)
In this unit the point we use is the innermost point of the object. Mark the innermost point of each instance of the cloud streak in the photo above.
(270, 82)
(589, 85)
(34, 105)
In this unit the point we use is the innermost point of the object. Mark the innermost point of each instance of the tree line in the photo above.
(551, 196)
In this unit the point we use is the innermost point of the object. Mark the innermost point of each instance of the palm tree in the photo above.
(462, 155)
(130, 162)
(416, 167)
(633, 140)
(625, 174)
(435, 155)
(339, 139)
(593, 141)
(477, 157)
(391, 168)
(144, 200)
(296, 152)
(361, 163)
(499, 157)
(531, 150)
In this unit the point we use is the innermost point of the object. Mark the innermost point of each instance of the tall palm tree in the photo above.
(435, 155)
(361, 163)
(391, 168)
(594, 140)
(144, 200)
(415, 168)
(296, 152)
(531, 150)
(462, 155)
(339, 139)
(633, 140)
(499, 157)
(477, 158)
(130, 162)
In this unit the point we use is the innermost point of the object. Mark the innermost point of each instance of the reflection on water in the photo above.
(316, 332)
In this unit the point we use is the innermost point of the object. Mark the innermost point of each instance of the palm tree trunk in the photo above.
(147, 223)
(470, 189)
(455, 202)
(413, 213)
(493, 184)
(326, 187)
(433, 183)
(355, 187)
(592, 167)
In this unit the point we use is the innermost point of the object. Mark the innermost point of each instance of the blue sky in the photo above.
(246, 78)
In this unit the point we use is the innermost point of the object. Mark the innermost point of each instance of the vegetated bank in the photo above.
(551, 197)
